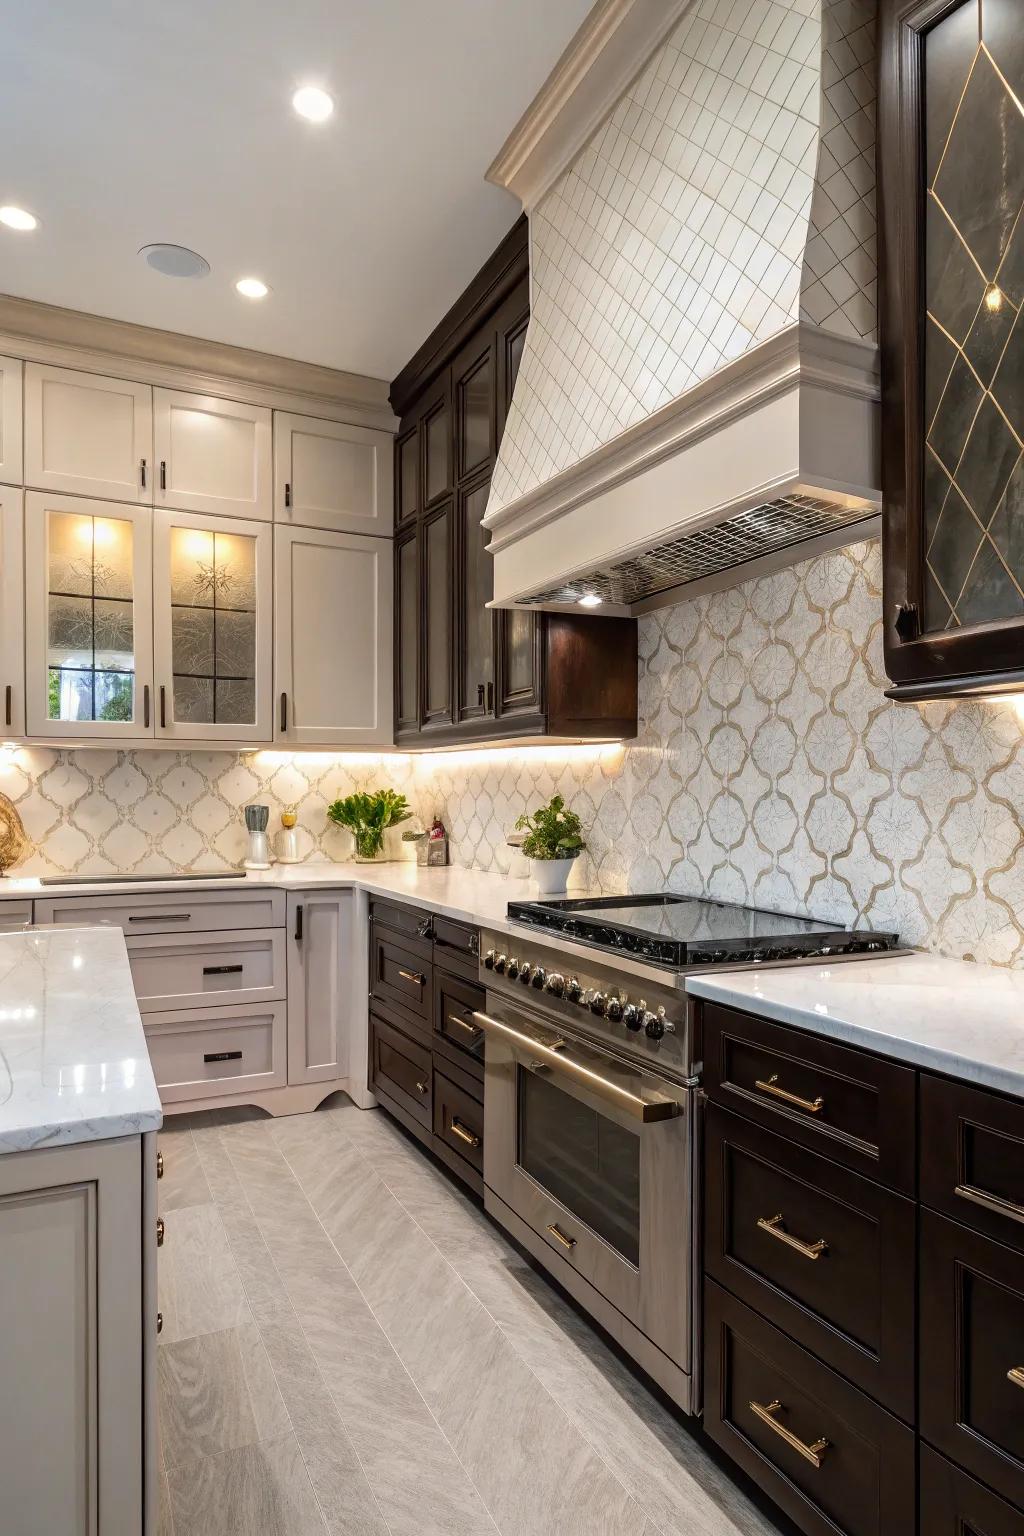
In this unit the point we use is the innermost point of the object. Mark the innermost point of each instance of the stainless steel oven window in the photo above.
(585, 1160)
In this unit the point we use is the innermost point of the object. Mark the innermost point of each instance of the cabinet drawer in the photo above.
(459, 1120)
(457, 946)
(14, 915)
(953, 1504)
(171, 912)
(972, 1158)
(220, 1050)
(825, 1254)
(401, 1069)
(400, 977)
(972, 1353)
(852, 1107)
(455, 1002)
(829, 1456)
(415, 926)
(178, 972)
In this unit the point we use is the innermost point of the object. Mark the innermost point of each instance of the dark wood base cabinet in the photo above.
(855, 1336)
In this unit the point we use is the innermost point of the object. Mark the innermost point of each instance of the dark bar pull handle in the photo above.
(163, 707)
(223, 1056)
(284, 713)
(9, 704)
(163, 474)
(222, 970)
(287, 494)
(298, 925)
(145, 706)
(490, 698)
(161, 917)
(142, 473)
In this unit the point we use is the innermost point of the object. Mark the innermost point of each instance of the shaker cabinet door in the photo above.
(213, 455)
(319, 945)
(333, 639)
(474, 621)
(10, 421)
(12, 613)
(213, 612)
(407, 631)
(328, 474)
(87, 434)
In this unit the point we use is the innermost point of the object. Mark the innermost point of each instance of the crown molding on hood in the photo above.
(602, 60)
(71, 338)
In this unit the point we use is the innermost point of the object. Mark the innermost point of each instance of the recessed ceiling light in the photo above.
(312, 103)
(252, 288)
(17, 218)
(174, 260)
(589, 600)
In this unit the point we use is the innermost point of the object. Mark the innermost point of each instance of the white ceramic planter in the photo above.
(550, 876)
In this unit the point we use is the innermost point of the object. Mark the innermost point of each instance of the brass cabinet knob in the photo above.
(160, 1229)
(159, 1165)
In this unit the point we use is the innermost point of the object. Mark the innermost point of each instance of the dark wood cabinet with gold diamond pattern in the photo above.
(951, 180)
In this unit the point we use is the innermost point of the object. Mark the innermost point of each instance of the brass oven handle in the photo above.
(458, 1129)
(555, 1058)
(412, 976)
(766, 1413)
(775, 1227)
(471, 1029)
(993, 1203)
(568, 1243)
(1016, 1375)
(770, 1085)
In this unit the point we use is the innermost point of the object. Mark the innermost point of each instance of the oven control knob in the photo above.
(555, 983)
(499, 964)
(614, 1009)
(598, 1003)
(574, 992)
(631, 1016)
(654, 1024)
(525, 972)
(512, 969)
(538, 978)
(489, 960)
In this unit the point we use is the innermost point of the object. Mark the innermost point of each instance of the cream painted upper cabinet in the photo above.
(87, 434)
(332, 639)
(212, 618)
(10, 421)
(88, 618)
(213, 456)
(12, 614)
(330, 475)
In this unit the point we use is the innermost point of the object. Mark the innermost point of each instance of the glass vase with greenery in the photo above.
(368, 816)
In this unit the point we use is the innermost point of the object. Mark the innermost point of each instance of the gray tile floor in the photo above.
(351, 1347)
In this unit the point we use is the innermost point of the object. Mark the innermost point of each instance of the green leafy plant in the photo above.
(552, 832)
(369, 816)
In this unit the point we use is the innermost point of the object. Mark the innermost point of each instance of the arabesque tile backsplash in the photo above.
(769, 768)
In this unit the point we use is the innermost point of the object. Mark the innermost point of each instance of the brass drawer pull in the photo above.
(1016, 1375)
(775, 1227)
(159, 1165)
(458, 1129)
(160, 1231)
(766, 1413)
(471, 1029)
(993, 1203)
(421, 1087)
(568, 1243)
(412, 976)
(771, 1085)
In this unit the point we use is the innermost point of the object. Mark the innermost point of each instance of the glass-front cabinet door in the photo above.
(88, 617)
(212, 592)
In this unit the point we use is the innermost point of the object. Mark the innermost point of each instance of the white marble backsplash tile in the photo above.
(769, 768)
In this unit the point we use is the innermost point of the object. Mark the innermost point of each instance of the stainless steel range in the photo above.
(591, 1102)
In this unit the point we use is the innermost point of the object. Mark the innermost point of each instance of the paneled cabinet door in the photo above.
(319, 944)
(407, 630)
(212, 455)
(10, 421)
(12, 613)
(437, 543)
(333, 640)
(88, 434)
(474, 621)
(328, 474)
(212, 619)
(88, 618)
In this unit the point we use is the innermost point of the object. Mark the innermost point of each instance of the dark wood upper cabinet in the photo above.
(477, 674)
(951, 179)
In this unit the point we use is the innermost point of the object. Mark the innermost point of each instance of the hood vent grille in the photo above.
(748, 536)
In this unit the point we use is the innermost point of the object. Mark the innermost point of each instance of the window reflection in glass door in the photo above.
(90, 618)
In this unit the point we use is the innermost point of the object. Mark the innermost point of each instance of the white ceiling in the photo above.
(130, 121)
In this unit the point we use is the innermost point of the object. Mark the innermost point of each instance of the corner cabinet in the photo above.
(951, 169)
(465, 672)
(320, 943)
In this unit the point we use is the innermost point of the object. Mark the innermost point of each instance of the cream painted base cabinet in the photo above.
(77, 1297)
(319, 984)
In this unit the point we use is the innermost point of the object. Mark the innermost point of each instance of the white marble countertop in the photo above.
(954, 1016)
(73, 1060)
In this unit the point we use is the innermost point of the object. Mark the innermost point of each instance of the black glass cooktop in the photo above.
(689, 930)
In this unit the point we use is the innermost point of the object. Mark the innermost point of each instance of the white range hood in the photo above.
(699, 386)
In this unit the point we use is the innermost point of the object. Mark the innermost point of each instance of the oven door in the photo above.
(594, 1156)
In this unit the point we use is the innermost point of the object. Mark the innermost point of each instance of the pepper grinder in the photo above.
(256, 819)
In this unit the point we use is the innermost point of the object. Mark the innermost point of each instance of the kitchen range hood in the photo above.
(698, 393)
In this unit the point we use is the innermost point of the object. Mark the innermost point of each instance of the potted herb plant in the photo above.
(368, 817)
(554, 839)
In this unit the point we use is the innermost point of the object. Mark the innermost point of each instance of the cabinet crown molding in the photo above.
(69, 338)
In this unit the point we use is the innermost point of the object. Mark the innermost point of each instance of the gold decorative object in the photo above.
(13, 839)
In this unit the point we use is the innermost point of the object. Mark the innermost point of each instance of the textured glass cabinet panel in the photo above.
(973, 472)
(90, 621)
(213, 626)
